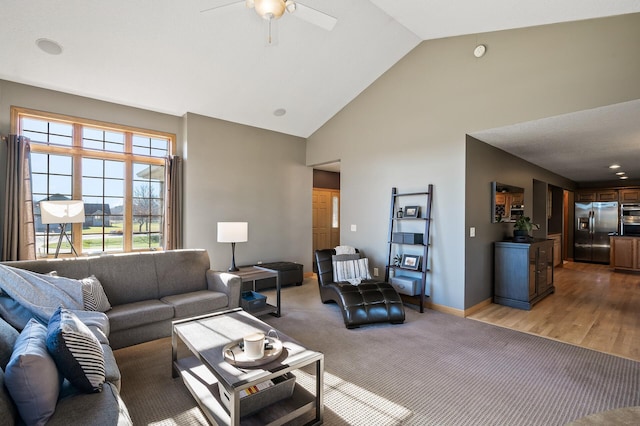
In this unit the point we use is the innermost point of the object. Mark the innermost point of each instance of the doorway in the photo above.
(326, 211)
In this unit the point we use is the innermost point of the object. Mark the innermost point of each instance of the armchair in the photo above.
(369, 302)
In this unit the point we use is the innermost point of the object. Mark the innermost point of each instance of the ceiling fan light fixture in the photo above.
(269, 9)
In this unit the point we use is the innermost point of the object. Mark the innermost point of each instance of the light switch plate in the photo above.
(472, 231)
(353, 228)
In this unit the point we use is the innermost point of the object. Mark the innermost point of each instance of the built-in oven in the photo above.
(630, 219)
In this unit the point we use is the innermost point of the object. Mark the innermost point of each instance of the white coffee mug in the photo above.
(254, 346)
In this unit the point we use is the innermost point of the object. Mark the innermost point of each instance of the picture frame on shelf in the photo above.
(410, 261)
(412, 211)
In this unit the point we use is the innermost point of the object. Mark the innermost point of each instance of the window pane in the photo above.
(60, 165)
(39, 183)
(113, 187)
(38, 163)
(35, 137)
(60, 140)
(60, 185)
(92, 186)
(43, 131)
(34, 124)
(106, 140)
(63, 129)
(92, 167)
(114, 169)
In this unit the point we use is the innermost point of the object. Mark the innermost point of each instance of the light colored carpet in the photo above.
(436, 369)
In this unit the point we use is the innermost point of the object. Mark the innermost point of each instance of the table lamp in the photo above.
(62, 212)
(233, 232)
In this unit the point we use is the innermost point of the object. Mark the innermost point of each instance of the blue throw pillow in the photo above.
(76, 351)
(32, 377)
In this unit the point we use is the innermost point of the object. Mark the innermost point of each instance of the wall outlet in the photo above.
(472, 231)
(375, 272)
(259, 262)
(353, 228)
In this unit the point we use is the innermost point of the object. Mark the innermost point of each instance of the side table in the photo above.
(253, 273)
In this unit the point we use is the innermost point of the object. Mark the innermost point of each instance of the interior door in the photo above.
(326, 219)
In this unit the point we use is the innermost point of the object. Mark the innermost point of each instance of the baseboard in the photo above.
(472, 310)
(309, 275)
(445, 309)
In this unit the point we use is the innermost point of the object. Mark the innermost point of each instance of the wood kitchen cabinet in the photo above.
(602, 195)
(557, 248)
(631, 195)
(625, 253)
(523, 272)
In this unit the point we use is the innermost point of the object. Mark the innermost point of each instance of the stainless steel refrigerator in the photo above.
(594, 223)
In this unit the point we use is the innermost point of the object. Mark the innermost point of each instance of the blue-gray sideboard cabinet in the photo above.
(523, 272)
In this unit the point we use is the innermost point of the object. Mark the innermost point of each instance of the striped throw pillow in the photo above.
(76, 351)
(348, 270)
(93, 295)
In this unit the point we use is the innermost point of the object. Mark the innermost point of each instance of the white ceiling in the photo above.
(167, 56)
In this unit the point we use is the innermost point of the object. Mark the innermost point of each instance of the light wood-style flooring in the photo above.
(592, 307)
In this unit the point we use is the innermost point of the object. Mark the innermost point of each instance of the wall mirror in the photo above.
(507, 202)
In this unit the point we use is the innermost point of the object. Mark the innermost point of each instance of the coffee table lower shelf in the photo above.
(204, 387)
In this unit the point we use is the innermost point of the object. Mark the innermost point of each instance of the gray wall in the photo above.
(237, 173)
(408, 129)
(232, 172)
(486, 164)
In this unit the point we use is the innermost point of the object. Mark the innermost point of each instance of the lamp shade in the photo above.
(233, 232)
(64, 211)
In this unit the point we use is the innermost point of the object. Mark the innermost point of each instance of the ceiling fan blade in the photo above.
(234, 4)
(315, 17)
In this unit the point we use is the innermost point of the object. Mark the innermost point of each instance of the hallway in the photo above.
(592, 307)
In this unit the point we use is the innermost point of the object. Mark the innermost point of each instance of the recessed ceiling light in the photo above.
(279, 112)
(621, 173)
(49, 46)
(624, 177)
(614, 166)
(479, 51)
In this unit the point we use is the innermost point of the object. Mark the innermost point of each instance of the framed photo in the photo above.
(410, 261)
(412, 211)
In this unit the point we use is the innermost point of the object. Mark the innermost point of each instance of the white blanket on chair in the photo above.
(345, 250)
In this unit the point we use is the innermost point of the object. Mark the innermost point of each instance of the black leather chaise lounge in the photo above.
(369, 302)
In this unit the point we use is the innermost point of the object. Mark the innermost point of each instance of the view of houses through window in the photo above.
(118, 172)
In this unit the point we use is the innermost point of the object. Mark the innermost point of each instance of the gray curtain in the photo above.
(19, 237)
(173, 170)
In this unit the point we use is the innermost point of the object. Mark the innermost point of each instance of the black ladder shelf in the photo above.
(397, 239)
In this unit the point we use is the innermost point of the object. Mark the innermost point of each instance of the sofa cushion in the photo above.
(126, 277)
(32, 377)
(181, 271)
(8, 337)
(7, 407)
(76, 351)
(96, 409)
(130, 315)
(93, 295)
(196, 303)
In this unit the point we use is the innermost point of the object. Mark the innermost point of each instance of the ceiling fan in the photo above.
(272, 10)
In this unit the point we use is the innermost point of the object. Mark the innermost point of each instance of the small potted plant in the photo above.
(522, 228)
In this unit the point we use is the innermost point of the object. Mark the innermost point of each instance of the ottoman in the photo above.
(288, 273)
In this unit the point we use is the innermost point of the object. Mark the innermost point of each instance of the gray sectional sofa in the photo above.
(146, 291)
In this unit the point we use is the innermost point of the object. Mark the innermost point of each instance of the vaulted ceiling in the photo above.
(168, 56)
